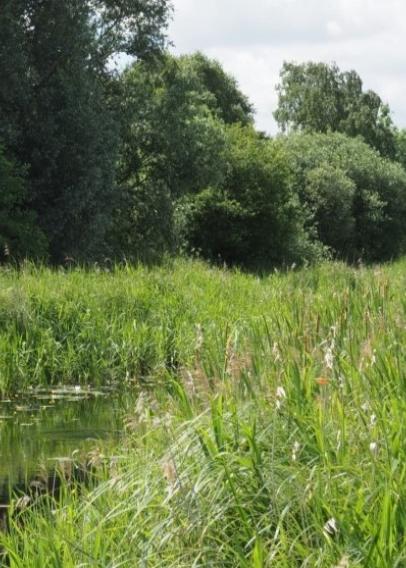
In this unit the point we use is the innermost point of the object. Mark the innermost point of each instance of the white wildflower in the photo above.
(295, 450)
(276, 352)
(280, 393)
(280, 396)
(373, 448)
(373, 420)
(331, 527)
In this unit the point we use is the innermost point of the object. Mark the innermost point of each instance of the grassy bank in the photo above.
(269, 430)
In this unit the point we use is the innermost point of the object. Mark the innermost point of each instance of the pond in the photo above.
(40, 429)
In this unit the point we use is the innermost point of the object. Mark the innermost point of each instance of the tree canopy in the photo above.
(19, 234)
(316, 97)
(253, 217)
(356, 198)
(55, 112)
(102, 162)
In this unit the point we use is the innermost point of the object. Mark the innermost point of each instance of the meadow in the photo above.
(268, 424)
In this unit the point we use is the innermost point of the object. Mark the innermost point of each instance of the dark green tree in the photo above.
(173, 143)
(226, 100)
(316, 97)
(173, 112)
(328, 194)
(20, 236)
(253, 218)
(57, 115)
(401, 147)
(356, 199)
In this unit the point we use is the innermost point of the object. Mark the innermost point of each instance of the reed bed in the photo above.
(270, 421)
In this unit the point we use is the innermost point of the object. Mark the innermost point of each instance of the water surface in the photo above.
(41, 428)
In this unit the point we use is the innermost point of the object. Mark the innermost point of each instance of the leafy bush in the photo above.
(329, 195)
(357, 198)
(142, 221)
(253, 218)
(215, 226)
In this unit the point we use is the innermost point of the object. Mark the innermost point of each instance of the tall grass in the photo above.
(269, 429)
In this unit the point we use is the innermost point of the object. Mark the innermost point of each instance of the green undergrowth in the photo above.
(270, 425)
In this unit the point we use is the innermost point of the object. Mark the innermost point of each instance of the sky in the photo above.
(252, 39)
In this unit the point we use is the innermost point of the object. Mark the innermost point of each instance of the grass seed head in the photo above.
(169, 472)
(329, 358)
(280, 393)
(280, 397)
(295, 450)
(22, 502)
(276, 353)
(344, 562)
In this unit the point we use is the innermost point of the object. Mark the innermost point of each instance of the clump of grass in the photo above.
(272, 434)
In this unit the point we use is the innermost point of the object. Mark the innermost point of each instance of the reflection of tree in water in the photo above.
(39, 434)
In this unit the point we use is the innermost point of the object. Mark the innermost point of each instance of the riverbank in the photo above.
(269, 425)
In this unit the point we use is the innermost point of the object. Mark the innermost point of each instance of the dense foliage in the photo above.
(163, 156)
(253, 217)
(172, 144)
(356, 198)
(19, 234)
(401, 147)
(56, 116)
(270, 431)
(316, 97)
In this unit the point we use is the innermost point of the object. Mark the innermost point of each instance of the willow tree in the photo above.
(57, 113)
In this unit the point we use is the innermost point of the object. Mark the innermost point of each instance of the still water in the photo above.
(42, 428)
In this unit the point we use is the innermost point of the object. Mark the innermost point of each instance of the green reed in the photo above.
(270, 423)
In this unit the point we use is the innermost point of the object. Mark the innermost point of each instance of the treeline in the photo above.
(164, 157)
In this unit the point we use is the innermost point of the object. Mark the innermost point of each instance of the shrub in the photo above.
(253, 218)
(329, 194)
(356, 197)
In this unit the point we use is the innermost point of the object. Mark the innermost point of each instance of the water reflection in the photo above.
(43, 427)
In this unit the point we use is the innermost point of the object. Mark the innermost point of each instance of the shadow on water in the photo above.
(41, 433)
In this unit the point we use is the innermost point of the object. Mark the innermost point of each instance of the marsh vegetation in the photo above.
(267, 426)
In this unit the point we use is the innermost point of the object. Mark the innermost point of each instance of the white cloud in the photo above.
(334, 29)
(253, 38)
